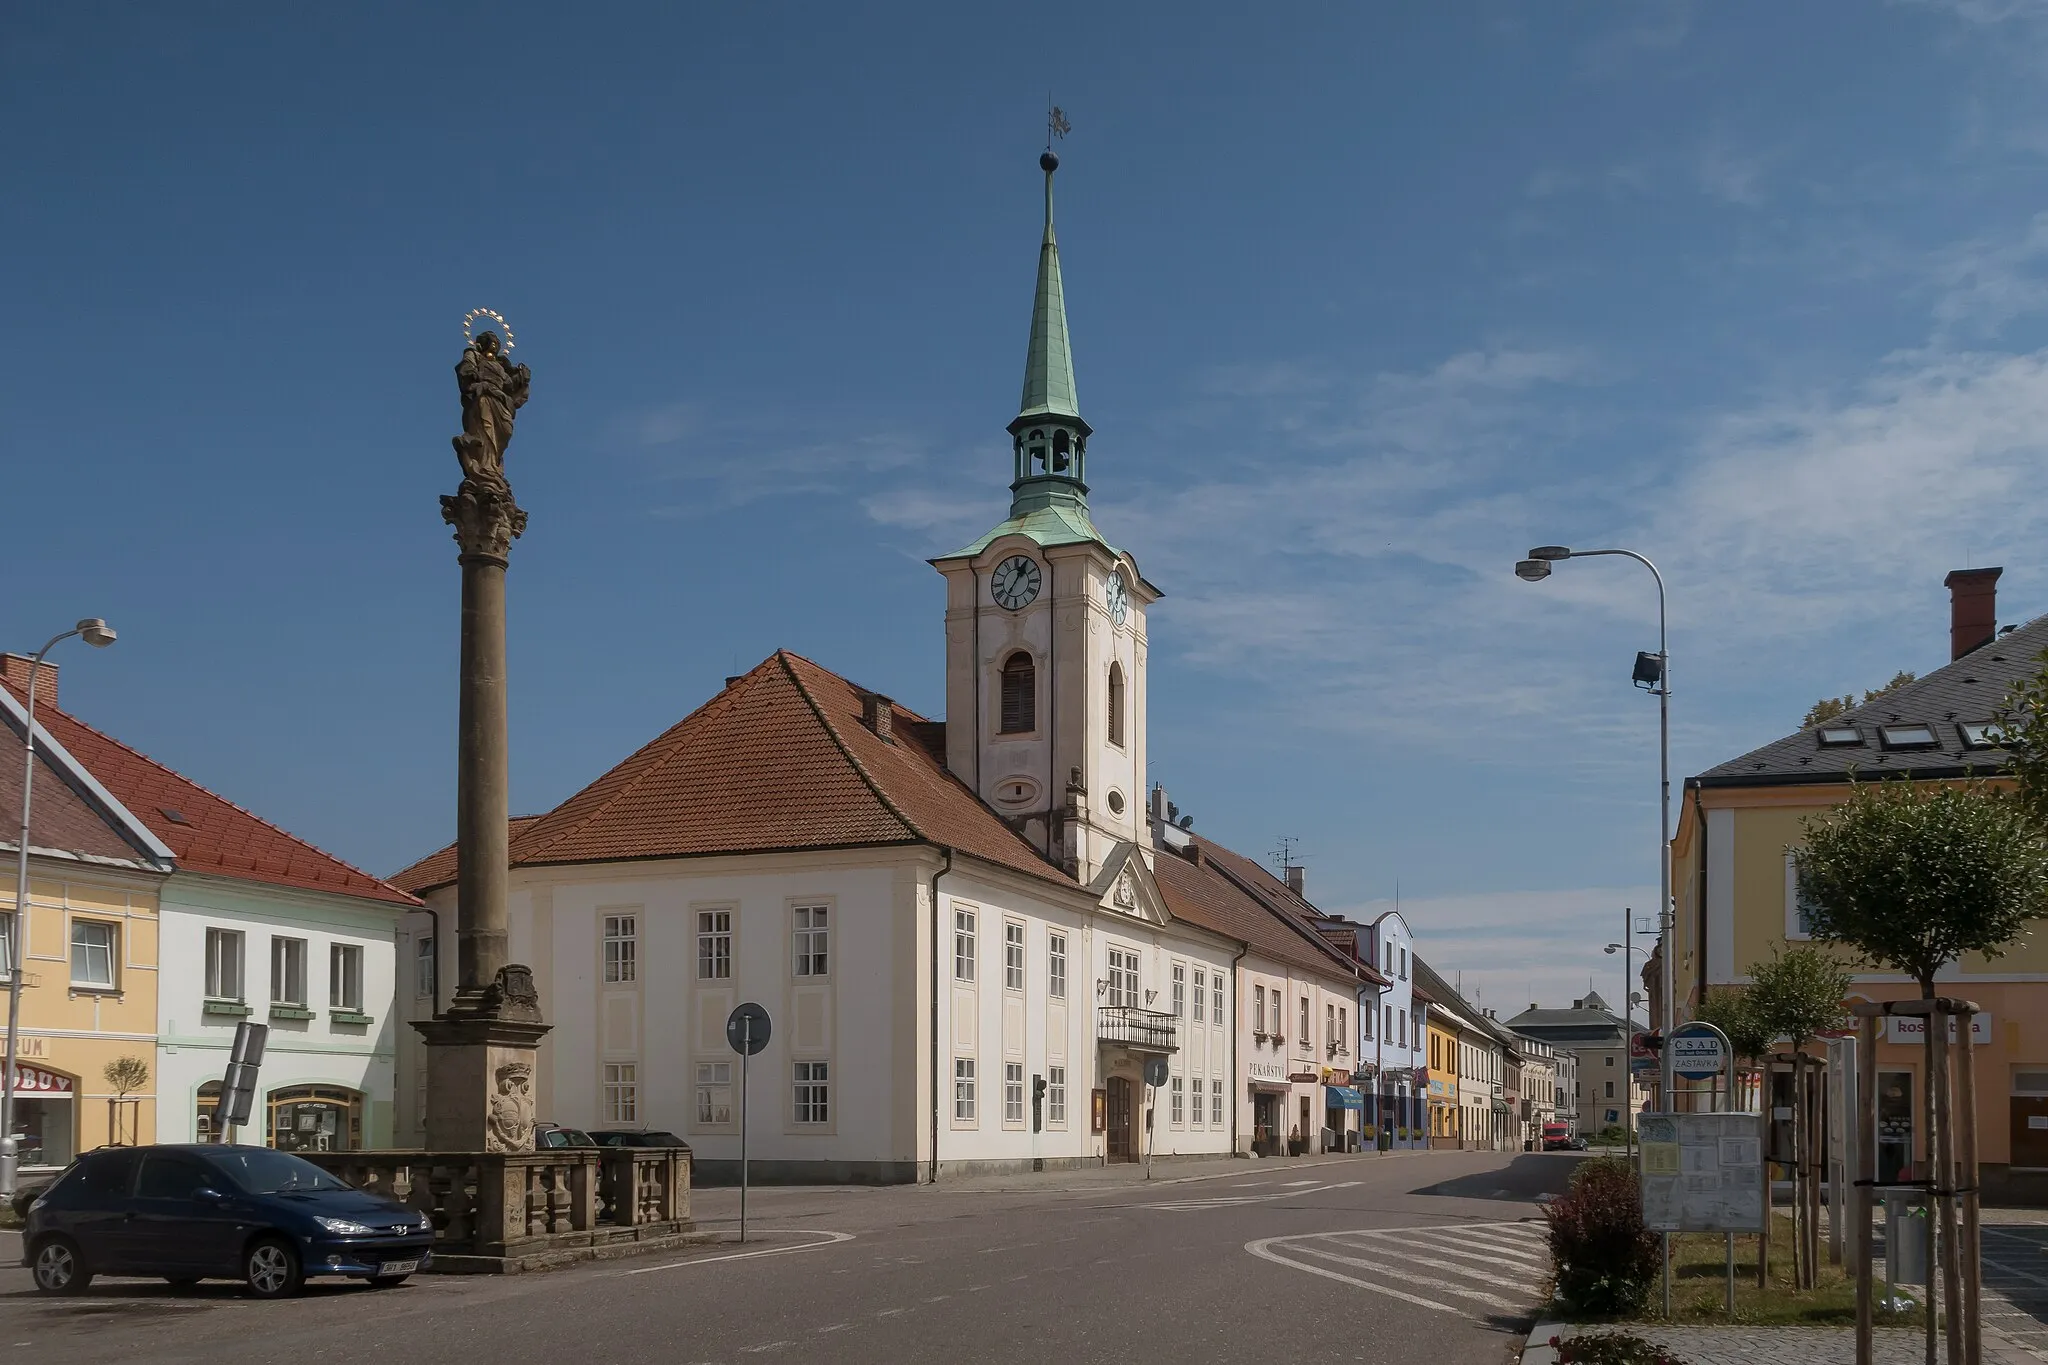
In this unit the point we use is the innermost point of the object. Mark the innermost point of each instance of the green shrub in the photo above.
(1606, 1259)
(1610, 1348)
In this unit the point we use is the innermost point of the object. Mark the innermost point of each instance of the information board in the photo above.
(1702, 1172)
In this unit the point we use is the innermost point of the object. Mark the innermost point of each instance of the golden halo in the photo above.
(469, 320)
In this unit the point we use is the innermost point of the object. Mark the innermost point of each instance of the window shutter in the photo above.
(1020, 695)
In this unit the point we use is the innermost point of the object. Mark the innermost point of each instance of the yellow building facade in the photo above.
(1736, 900)
(89, 952)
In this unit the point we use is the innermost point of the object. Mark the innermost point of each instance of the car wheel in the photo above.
(59, 1269)
(387, 1281)
(271, 1269)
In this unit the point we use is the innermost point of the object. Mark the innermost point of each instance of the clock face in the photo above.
(1015, 582)
(1117, 598)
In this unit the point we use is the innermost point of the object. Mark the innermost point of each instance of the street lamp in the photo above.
(1652, 673)
(99, 635)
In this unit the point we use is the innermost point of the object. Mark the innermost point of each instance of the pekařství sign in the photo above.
(1266, 1071)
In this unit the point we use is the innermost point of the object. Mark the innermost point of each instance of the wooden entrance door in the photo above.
(2030, 1131)
(1121, 1148)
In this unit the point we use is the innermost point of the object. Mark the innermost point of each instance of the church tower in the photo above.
(1045, 626)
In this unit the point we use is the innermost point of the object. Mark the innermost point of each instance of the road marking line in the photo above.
(1261, 1250)
(831, 1239)
(890, 1312)
(1443, 1285)
(835, 1327)
(769, 1346)
(1484, 1258)
(2013, 1270)
(1292, 1183)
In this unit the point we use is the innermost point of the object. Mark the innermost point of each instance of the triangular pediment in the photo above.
(1125, 886)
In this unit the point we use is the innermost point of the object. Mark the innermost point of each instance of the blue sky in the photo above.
(1365, 301)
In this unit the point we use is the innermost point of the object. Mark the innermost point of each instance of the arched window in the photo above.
(1116, 704)
(1059, 452)
(1038, 450)
(1020, 695)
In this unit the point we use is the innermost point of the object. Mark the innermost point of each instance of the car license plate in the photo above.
(398, 1267)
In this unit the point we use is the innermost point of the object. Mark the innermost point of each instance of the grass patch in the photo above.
(1699, 1280)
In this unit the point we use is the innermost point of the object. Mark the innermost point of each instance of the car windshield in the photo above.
(260, 1170)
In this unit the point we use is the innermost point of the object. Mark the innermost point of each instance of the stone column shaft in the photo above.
(482, 797)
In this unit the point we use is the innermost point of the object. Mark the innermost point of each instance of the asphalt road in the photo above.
(1427, 1257)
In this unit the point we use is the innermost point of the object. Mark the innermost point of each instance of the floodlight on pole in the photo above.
(97, 633)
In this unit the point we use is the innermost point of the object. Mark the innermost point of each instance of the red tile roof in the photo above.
(213, 835)
(1206, 896)
(64, 818)
(779, 760)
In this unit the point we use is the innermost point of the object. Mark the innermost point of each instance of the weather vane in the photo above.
(1056, 124)
(469, 322)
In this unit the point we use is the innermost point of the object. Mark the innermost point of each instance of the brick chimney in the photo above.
(1972, 609)
(878, 713)
(15, 668)
(1292, 876)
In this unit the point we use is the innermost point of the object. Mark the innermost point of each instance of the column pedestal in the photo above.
(481, 1061)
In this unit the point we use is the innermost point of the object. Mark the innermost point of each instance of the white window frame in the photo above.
(1013, 955)
(425, 967)
(1013, 1094)
(1195, 1102)
(1055, 1097)
(621, 948)
(1343, 1030)
(811, 1092)
(345, 977)
(1215, 1103)
(1180, 990)
(1273, 998)
(82, 953)
(1258, 1011)
(1176, 1089)
(1125, 981)
(1201, 988)
(1368, 1020)
(226, 955)
(964, 1100)
(714, 943)
(6, 943)
(288, 960)
(621, 1093)
(1216, 997)
(713, 1091)
(965, 943)
(1056, 966)
(810, 938)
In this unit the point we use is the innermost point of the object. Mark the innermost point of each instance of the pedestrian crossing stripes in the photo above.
(1467, 1268)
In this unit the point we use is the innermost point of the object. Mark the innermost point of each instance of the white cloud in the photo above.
(1986, 282)
(1508, 950)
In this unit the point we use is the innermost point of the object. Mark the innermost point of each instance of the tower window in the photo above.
(1038, 450)
(1020, 695)
(1116, 704)
(1060, 451)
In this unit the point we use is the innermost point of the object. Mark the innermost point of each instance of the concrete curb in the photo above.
(1536, 1349)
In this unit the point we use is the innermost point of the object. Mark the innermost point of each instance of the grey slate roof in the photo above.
(1587, 1022)
(1965, 691)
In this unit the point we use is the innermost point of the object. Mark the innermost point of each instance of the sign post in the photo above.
(746, 1032)
(1155, 1076)
(238, 1086)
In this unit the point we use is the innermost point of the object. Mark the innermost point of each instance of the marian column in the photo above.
(481, 1053)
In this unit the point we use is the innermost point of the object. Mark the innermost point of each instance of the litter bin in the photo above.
(1906, 1236)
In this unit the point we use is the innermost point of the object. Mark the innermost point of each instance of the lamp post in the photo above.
(1628, 1008)
(99, 635)
(1653, 672)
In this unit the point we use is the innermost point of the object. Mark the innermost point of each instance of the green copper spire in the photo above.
(1048, 364)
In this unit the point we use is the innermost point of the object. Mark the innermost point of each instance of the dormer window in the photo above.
(1907, 736)
(1839, 736)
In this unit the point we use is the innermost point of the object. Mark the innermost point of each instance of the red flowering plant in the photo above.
(1606, 1259)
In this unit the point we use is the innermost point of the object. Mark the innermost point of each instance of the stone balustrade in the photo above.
(521, 1210)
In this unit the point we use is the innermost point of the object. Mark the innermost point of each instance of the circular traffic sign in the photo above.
(1155, 1071)
(746, 1028)
(1697, 1052)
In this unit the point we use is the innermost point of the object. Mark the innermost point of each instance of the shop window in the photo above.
(316, 1118)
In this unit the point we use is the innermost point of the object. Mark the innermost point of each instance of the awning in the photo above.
(1271, 1087)
(1343, 1097)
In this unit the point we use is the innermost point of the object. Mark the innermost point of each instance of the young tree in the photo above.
(1731, 1011)
(126, 1075)
(1913, 877)
(1798, 995)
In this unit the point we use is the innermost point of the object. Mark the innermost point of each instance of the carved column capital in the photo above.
(485, 518)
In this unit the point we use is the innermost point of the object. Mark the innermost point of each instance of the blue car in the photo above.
(192, 1212)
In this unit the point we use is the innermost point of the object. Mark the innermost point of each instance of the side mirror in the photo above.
(207, 1194)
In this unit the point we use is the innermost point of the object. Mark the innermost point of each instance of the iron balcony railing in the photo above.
(1133, 1027)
